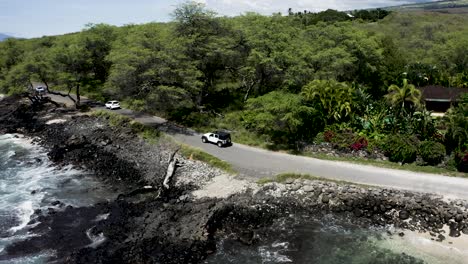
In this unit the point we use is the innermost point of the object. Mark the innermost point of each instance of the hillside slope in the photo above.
(456, 6)
(4, 36)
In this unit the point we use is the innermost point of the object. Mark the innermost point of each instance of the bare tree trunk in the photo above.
(247, 93)
(78, 98)
(249, 86)
(45, 83)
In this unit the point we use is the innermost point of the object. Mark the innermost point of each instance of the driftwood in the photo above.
(171, 167)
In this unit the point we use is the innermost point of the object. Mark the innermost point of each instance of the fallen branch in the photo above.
(171, 167)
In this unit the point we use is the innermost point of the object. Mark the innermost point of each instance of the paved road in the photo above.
(257, 163)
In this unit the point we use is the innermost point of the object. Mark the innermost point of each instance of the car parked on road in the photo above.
(40, 89)
(219, 138)
(113, 105)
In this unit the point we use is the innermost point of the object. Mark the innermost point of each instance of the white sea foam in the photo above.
(268, 255)
(96, 240)
(29, 181)
(24, 212)
(41, 258)
(101, 217)
(283, 245)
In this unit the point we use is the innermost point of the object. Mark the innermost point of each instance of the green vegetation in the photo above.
(456, 6)
(197, 154)
(150, 134)
(449, 170)
(432, 152)
(283, 177)
(153, 136)
(281, 82)
(401, 148)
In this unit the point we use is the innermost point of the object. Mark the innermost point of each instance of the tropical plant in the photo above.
(456, 121)
(461, 160)
(334, 98)
(404, 98)
(423, 125)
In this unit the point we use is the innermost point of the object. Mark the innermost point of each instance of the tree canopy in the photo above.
(285, 76)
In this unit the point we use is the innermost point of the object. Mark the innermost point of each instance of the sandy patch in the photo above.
(223, 186)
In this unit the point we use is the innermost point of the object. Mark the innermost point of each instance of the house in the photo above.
(439, 98)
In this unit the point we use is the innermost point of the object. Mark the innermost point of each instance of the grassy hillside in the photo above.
(457, 6)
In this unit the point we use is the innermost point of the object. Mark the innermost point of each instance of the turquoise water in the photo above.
(327, 240)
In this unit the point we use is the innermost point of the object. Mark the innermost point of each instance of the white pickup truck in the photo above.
(219, 138)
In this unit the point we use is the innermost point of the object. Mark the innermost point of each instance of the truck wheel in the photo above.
(203, 139)
(220, 144)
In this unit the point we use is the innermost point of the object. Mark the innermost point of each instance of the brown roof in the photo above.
(441, 93)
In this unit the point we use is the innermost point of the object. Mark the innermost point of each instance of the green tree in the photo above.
(456, 122)
(282, 116)
(11, 54)
(151, 68)
(73, 65)
(17, 80)
(213, 48)
(393, 65)
(97, 40)
(267, 54)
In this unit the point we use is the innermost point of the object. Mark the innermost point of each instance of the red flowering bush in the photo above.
(461, 159)
(361, 143)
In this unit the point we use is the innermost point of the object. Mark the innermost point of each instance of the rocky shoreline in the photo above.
(149, 224)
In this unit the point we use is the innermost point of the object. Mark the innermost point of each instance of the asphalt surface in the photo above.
(252, 162)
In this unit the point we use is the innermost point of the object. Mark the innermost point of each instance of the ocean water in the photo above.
(29, 181)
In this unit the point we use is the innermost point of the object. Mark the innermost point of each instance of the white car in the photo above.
(219, 138)
(40, 89)
(113, 105)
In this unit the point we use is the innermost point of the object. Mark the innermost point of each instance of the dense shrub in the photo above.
(319, 138)
(328, 136)
(432, 152)
(343, 140)
(400, 148)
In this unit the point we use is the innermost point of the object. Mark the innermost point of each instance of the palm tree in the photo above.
(404, 98)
